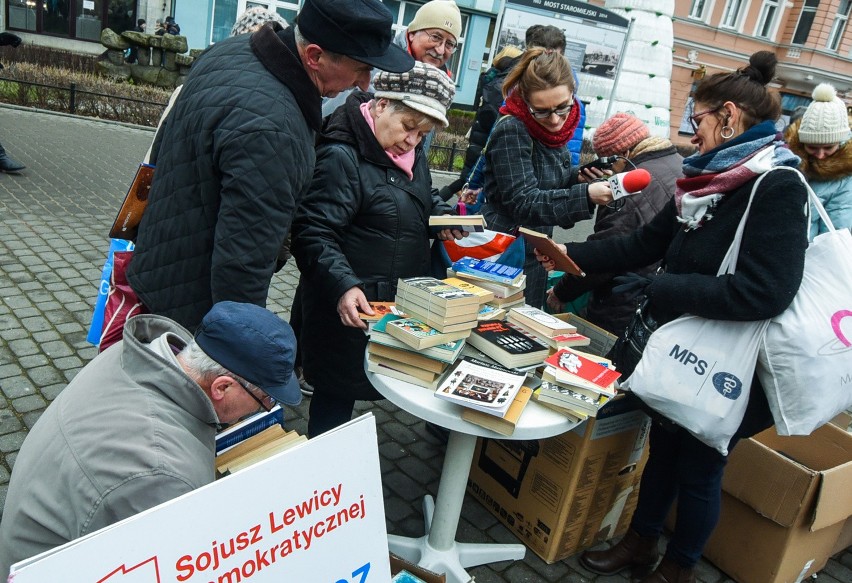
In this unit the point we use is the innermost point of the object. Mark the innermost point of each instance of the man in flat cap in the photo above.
(136, 427)
(237, 153)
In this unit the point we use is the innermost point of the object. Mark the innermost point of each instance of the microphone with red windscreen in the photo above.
(627, 183)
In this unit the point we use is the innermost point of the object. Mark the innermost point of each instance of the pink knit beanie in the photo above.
(618, 134)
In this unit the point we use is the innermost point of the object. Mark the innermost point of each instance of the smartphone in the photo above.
(604, 163)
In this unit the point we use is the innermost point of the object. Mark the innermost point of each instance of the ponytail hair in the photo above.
(539, 69)
(746, 87)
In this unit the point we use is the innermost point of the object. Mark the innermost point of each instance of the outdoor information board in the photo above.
(312, 513)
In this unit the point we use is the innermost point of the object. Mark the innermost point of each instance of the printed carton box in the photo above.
(570, 492)
(785, 503)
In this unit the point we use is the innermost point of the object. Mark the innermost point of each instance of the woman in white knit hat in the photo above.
(822, 139)
(362, 225)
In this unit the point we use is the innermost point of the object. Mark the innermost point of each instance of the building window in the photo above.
(77, 19)
(766, 19)
(699, 10)
(226, 13)
(839, 25)
(731, 15)
(806, 20)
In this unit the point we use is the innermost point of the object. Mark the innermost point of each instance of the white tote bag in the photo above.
(698, 372)
(805, 362)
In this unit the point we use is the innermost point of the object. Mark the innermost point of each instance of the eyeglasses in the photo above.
(561, 111)
(449, 45)
(267, 402)
(695, 121)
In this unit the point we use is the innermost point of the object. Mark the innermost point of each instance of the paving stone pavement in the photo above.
(53, 223)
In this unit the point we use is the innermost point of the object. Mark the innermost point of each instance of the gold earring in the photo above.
(729, 129)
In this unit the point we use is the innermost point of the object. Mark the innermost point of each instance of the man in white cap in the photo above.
(136, 427)
(433, 35)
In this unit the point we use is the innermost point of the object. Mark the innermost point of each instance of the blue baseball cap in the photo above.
(254, 343)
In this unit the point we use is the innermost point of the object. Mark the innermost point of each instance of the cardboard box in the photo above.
(844, 541)
(397, 564)
(785, 502)
(570, 492)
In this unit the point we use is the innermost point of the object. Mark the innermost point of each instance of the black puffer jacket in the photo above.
(614, 312)
(236, 155)
(363, 223)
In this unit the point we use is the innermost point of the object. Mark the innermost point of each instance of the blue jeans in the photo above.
(679, 466)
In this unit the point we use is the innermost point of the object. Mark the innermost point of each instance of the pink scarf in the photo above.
(404, 162)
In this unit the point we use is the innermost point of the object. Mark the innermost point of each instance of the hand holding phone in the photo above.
(604, 163)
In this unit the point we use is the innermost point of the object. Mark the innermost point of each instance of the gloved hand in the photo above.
(631, 283)
(7, 38)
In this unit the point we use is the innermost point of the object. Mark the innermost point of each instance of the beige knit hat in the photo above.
(826, 120)
(424, 88)
(443, 14)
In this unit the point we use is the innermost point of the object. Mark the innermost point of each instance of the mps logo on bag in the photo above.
(687, 357)
(842, 343)
(728, 385)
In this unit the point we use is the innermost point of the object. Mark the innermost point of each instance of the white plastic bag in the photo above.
(805, 361)
(698, 372)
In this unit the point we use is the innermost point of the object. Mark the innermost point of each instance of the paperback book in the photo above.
(248, 427)
(488, 270)
(434, 292)
(546, 246)
(482, 388)
(571, 368)
(508, 344)
(447, 352)
(393, 373)
(483, 294)
(443, 324)
(469, 223)
(500, 290)
(380, 310)
(420, 335)
(503, 425)
(408, 357)
(539, 322)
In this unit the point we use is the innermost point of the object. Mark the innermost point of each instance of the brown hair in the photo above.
(745, 87)
(539, 69)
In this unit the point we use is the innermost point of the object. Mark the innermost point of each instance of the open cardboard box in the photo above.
(785, 503)
(397, 564)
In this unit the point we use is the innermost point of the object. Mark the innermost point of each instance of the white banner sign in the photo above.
(314, 513)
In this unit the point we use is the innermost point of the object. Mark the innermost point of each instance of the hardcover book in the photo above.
(482, 388)
(571, 368)
(504, 425)
(508, 344)
(489, 270)
(546, 246)
(447, 352)
(539, 322)
(419, 335)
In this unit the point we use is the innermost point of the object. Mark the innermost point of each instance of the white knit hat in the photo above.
(424, 88)
(826, 120)
(442, 14)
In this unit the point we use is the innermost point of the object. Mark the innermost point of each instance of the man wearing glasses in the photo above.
(136, 427)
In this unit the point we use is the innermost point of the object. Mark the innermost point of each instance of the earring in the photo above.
(730, 134)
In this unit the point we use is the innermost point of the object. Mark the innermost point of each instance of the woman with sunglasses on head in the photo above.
(822, 138)
(737, 143)
(529, 180)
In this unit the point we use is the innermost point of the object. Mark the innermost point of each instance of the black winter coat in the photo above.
(363, 223)
(235, 157)
(614, 312)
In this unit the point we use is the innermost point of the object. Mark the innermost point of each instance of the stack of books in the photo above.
(439, 305)
(480, 386)
(579, 382)
(508, 344)
(252, 440)
(540, 323)
(390, 356)
(487, 309)
(506, 283)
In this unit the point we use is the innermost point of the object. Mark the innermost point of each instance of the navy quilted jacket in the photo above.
(236, 155)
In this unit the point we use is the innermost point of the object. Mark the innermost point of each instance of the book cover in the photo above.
(488, 270)
(508, 344)
(540, 321)
(478, 387)
(571, 339)
(409, 369)
(380, 309)
(455, 314)
(571, 414)
(597, 375)
(444, 325)
(546, 246)
(487, 312)
(469, 223)
(500, 290)
(387, 371)
(434, 292)
(447, 352)
(480, 292)
(570, 398)
(504, 425)
(411, 357)
(248, 427)
(420, 335)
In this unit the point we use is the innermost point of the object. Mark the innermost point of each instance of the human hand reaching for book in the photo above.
(546, 261)
(554, 303)
(348, 306)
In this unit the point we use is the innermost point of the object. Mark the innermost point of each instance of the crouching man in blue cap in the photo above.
(136, 427)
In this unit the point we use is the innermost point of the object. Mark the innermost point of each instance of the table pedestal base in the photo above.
(453, 560)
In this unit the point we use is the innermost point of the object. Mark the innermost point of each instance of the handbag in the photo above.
(698, 372)
(805, 361)
(627, 351)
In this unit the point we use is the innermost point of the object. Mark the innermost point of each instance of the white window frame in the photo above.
(738, 15)
(705, 11)
(763, 19)
(805, 10)
(270, 5)
(838, 27)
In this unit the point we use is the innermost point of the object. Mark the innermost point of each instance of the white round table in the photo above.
(437, 550)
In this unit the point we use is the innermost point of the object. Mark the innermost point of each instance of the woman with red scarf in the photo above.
(528, 176)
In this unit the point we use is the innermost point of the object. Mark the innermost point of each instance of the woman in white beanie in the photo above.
(362, 225)
(822, 139)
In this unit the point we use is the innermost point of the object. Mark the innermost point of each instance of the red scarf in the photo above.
(517, 107)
